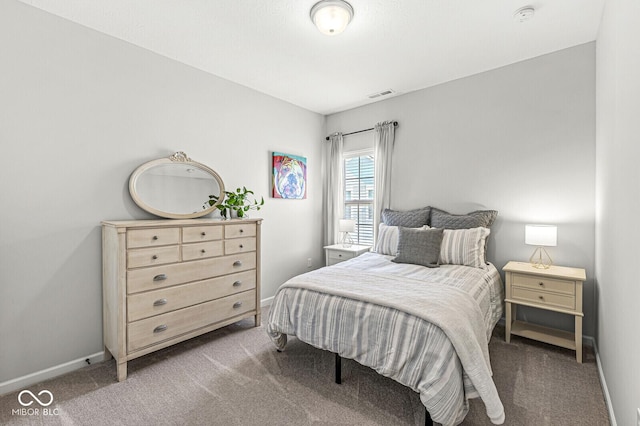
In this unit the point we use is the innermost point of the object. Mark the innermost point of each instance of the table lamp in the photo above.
(541, 236)
(346, 226)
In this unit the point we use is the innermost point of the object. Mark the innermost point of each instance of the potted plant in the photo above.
(236, 203)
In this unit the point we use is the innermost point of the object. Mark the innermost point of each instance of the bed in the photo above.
(425, 327)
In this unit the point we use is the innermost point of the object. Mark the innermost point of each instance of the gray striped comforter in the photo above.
(423, 327)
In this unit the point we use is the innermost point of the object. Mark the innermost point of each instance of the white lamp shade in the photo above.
(541, 235)
(331, 16)
(347, 225)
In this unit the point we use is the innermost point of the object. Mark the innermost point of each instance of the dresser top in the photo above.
(151, 223)
(565, 272)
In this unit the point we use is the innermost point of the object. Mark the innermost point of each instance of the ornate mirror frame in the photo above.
(177, 158)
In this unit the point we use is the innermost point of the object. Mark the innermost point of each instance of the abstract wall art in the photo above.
(289, 176)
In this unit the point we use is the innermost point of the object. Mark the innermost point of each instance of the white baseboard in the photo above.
(42, 375)
(603, 382)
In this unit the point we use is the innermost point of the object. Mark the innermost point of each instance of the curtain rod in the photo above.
(395, 124)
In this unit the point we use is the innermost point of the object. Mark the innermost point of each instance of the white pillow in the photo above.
(464, 247)
(387, 242)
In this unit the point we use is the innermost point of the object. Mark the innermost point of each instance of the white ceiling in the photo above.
(273, 47)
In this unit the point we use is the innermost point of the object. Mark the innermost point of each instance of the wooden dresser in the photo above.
(165, 281)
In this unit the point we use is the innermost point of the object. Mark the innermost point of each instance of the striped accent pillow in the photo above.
(387, 242)
(464, 247)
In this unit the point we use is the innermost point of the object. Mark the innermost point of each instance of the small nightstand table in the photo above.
(337, 253)
(557, 289)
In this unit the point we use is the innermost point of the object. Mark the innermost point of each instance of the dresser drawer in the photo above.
(194, 234)
(164, 276)
(152, 330)
(152, 256)
(240, 230)
(239, 245)
(543, 298)
(152, 237)
(202, 250)
(150, 303)
(543, 283)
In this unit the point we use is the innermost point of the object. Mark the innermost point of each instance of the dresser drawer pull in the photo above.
(237, 263)
(155, 237)
(203, 234)
(160, 302)
(203, 251)
(154, 257)
(237, 305)
(241, 230)
(241, 246)
(541, 297)
(160, 328)
(541, 284)
(237, 284)
(160, 277)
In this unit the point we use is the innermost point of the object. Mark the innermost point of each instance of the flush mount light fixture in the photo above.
(524, 14)
(331, 16)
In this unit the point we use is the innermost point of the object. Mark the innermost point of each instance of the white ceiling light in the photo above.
(524, 14)
(331, 16)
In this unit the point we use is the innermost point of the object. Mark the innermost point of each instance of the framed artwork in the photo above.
(289, 176)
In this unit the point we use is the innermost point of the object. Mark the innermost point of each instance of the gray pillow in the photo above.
(476, 219)
(409, 219)
(419, 246)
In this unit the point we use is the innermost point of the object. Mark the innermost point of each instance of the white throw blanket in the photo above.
(454, 311)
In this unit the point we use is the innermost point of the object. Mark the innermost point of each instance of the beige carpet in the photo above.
(234, 376)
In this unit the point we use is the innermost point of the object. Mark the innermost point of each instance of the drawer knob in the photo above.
(203, 251)
(541, 284)
(160, 302)
(541, 297)
(237, 284)
(237, 263)
(203, 234)
(241, 246)
(237, 305)
(160, 328)
(339, 255)
(154, 257)
(160, 277)
(155, 237)
(241, 230)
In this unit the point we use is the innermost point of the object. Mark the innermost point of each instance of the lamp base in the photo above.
(540, 259)
(346, 240)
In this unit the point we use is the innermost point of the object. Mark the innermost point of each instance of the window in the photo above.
(359, 188)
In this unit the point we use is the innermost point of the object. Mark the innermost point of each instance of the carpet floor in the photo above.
(234, 376)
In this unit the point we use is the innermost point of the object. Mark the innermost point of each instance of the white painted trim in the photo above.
(57, 370)
(266, 302)
(48, 373)
(603, 383)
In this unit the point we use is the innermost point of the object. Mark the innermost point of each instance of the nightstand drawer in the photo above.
(544, 283)
(340, 255)
(543, 298)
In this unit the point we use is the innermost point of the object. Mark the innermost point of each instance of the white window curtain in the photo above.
(384, 136)
(332, 192)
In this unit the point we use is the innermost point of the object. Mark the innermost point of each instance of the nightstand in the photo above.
(557, 289)
(337, 253)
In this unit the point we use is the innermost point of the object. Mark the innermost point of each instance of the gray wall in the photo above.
(618, 204)
(79, 111)
(519, 139)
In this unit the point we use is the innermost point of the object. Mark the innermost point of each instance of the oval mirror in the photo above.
(175, 187)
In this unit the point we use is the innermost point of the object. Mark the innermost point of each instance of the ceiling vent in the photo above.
(380, 94)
